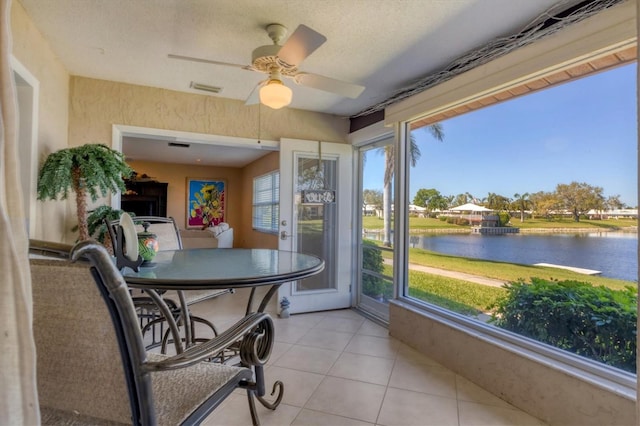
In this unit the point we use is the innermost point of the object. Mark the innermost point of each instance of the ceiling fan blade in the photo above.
(327, 84)
(254, 96)
(209, 61)
(302, 43)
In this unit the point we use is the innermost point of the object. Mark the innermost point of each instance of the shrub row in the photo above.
(594, 322)
(372, 260)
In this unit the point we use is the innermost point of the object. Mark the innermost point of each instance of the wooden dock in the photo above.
(494, 230)
(570, 268)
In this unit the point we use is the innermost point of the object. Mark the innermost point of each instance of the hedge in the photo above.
(372, 260)
(595, 322)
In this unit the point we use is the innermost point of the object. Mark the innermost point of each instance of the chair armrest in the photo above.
(255, 333)
(49, 249)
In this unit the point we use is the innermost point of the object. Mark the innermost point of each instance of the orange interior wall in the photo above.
(176, 176)
(239, 193)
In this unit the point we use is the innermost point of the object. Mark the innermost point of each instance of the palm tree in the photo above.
(85, 170)
(522, 202)
(390, 161)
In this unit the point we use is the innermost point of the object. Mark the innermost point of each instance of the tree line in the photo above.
(576, 198)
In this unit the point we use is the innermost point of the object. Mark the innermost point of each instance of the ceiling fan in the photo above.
(280, 61)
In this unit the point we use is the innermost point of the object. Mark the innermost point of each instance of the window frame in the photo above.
(273, 202)
(611, 31)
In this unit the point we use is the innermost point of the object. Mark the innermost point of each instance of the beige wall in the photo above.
(34, 53)
(251, 238)
(98, 104)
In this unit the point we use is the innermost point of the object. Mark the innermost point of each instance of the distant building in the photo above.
(613, 214)
(417, 210)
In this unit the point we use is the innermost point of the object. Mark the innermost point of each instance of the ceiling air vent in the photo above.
(179, 145)
(205, 88)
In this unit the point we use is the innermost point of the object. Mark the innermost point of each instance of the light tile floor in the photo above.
(340, 368)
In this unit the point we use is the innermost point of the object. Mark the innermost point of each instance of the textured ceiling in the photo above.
(381, 44)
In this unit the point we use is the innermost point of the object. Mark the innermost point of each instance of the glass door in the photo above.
(315, 218)
(375, 246)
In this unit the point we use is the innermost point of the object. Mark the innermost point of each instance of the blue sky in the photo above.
(582, 131)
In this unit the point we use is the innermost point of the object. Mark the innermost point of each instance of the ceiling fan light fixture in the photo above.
(275, 94)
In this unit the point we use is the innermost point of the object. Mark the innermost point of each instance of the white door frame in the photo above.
(324, 299)
(28, 93)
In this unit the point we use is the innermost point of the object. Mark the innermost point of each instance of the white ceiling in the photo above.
(381, 44)
(188, 152)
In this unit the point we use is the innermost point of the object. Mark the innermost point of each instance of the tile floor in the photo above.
(339, 368)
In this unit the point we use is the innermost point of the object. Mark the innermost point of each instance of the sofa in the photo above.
(220, 236)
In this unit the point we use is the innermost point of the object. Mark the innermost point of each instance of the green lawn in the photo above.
(457, 295)
(470, 298)
(609, 224)
(506, 271)
(426, 223)
(422, 223)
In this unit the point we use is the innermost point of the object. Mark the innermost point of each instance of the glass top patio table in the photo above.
(197, 269)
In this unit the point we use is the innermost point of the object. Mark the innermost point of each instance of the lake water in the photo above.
(613, 253)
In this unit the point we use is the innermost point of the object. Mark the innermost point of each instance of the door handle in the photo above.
(284, 235)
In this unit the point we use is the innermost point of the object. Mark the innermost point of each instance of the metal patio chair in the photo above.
(92, 365)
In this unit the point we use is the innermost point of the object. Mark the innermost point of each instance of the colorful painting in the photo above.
(205, 202)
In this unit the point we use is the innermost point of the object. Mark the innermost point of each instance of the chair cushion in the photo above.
(79, 368)
(177, 393)
(53, 417)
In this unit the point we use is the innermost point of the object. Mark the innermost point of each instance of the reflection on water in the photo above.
(613, 253)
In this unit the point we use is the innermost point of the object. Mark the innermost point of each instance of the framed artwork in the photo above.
(205, 202)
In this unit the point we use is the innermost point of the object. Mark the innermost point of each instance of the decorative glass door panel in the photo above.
(315, 217)
(316, 222)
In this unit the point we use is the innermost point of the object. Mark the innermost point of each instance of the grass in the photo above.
(608, 224)
(426, 223)
(450, 293)
(460, 296)
(504, 271)
(420, 223)
(469, 298)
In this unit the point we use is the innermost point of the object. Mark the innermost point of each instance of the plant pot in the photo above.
(147, 244)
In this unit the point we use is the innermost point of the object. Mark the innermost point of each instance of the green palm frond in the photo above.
(90, 169)
(100, 168)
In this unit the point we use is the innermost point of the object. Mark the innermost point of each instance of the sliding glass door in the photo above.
(375, 241)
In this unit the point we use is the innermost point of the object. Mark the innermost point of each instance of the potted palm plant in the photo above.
(97, 224)
(87, 170)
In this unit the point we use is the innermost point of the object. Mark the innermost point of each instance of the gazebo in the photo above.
(477, 215)
(470, 207)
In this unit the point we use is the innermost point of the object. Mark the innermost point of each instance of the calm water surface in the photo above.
(613, 253)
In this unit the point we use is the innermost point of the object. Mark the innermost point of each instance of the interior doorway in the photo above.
(152, 144)
(28, 92)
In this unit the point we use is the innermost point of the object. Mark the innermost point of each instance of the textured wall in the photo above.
(251, 238)
(33, 51)
(98, 104)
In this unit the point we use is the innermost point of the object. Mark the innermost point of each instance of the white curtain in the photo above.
(18, 391)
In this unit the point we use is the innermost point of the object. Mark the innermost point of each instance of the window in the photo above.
(266, 202)
(534, 190)
(428, 302)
